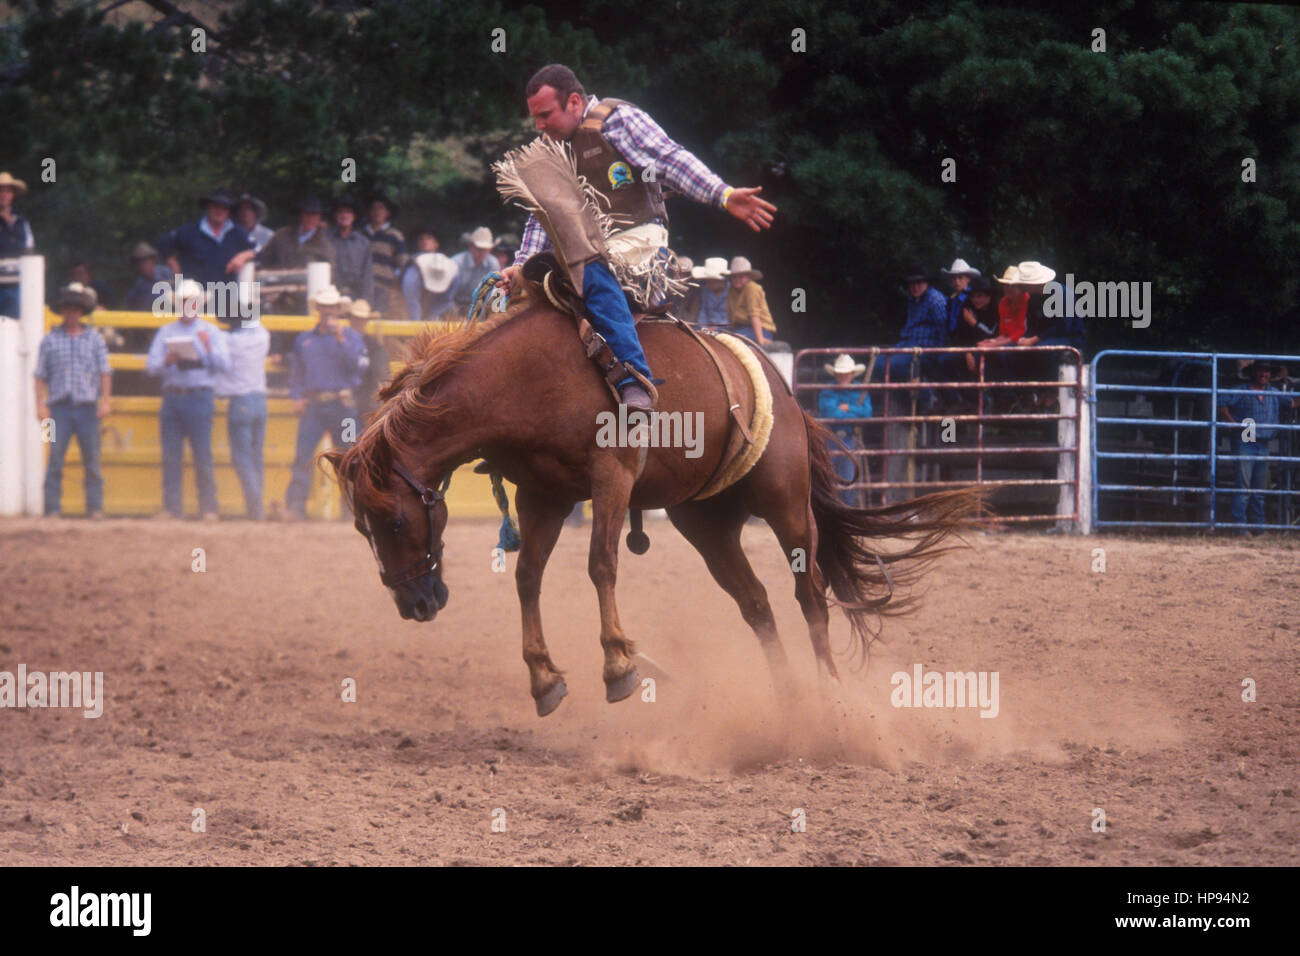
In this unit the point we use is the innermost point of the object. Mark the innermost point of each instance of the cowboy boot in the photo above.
(635, 397)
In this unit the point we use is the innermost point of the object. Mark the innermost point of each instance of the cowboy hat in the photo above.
(259, 207)
(218, 197)
(480, 238)
(327, 296)
(1257, 366)
(143, 250)
(74, 293)
(915, 273)
(960, 267)
(360, 309)
(17, 185)
(844, 363)
(740, 267)
(345, 304)
(437, 272)
(1010, 277)
(345, 201)
(980, 284)
(1035, 273)
(311, 204)
(383, 198)
(683, 266)
(715, 267)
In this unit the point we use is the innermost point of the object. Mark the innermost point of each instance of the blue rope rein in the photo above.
(476, 307)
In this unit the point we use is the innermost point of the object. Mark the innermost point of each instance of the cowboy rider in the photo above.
(615, 143)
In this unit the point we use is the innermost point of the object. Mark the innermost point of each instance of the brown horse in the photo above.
(520, 393)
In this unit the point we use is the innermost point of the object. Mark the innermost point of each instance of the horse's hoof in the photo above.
(551, 699)
(622, 687)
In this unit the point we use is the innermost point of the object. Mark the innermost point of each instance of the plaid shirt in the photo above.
(643, 143)
(927, 320)
(71, 365)
(1262, 406)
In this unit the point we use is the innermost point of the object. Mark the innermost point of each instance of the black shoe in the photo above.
(635, 397)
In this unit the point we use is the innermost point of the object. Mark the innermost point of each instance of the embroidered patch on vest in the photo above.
(588, 153)
(620, 175)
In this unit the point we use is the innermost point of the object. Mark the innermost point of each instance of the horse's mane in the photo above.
(410, 408)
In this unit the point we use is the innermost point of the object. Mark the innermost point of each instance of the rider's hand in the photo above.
(508, 278)
(746, 206)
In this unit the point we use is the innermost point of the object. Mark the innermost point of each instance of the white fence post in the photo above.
(22, 454)
(318, 277)
(1069, 465)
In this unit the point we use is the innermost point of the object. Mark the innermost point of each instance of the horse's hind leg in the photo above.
(540, 521)
(611, 490)
(713, 528)
(792, 521)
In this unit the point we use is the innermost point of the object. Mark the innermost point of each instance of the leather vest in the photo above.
(630, 200)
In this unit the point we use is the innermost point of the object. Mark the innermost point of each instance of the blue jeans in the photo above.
(9, 300)
(1252, 475)
(319, 418)
(612, 317)
(900, 370)
(246, 425)
(183, 416)
(79, 419)
(844, 465)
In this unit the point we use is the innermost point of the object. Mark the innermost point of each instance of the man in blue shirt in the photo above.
(213, 249)
(326, 367)
(841, 403)
(926, 327)
(187, 404)
(1261, 404)
(73, 382)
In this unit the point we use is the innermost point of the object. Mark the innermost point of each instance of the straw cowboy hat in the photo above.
(327, 296)
(714, 267)
(740, 267)
(480, 238)
(960, 267)
(360, 309)
(844, 363)
(259, 207)
(17, 185)
(1011, 276)
(74, 293)
(143, 250)
(1035, 273)
(436, 271)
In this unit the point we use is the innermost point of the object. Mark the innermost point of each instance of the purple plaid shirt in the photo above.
(643, 143)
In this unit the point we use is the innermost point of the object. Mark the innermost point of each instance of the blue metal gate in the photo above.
(1179, 467)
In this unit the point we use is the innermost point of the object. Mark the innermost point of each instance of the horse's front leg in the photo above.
(540, 521)
(611, 488)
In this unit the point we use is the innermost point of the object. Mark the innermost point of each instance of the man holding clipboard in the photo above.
(186, 353)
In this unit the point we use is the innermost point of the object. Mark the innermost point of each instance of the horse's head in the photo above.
(406, 538)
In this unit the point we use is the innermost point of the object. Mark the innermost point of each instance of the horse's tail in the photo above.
(863, 579)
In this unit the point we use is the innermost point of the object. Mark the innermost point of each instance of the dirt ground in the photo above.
(1119, 691)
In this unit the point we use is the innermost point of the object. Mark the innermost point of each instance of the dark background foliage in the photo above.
(1123, 165)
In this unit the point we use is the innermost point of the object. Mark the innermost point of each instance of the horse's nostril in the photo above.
(422, 607)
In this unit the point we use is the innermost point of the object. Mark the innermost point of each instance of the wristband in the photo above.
(726, 194)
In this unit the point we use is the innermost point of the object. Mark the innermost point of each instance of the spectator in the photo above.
(926, 327)
(244, 384)
(359, 314)
(978, 321)
(1042, 330)
(1261, 403)
(960, 274)
(80, 273)
(355, 272)
(839, 403)
(387, 251)
(187, 404)
(505, 250)
(708, 307)
(429, 287)
(1013, 316)
(249, 212)
(747, 311)
(149, 271)
(211, 250)
(73, 385)
(292, 247)
(16, 238)
(326, 368)
(473, 265)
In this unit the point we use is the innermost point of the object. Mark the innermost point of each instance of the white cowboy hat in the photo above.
(481, 238)
(960, 267)
(1010, 277)
(360, 309)
(684, 265)
(327, 296)
(190, 289)
(713, 268)
(844, 363)
(1035, 273)
(740, 267)
(436, 271)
